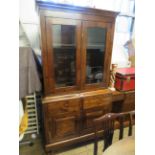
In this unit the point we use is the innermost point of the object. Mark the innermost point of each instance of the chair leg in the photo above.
(50, 153)
(95, 146)
(130, 126)
(121, 130)
(111, 138)
(106, 143)
(95, 150)
(108, 140)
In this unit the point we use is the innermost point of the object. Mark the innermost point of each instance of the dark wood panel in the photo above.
(128, 107)
(129, 101)
(123, 101)
(63, 126)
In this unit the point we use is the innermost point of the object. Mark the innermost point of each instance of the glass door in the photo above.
(96, 53)
(63, 43)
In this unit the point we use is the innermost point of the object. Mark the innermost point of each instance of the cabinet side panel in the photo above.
(44, 52)
(45, 123)
(108, 54)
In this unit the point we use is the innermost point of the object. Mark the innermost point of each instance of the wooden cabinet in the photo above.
(76, 47)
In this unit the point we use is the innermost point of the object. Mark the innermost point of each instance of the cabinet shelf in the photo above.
(73, 46)
(95, 47)
(63, 45)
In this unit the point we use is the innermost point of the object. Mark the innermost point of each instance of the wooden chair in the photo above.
(108, 123)
(126, 119)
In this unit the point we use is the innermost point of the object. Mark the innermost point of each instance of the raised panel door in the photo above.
(63, 126)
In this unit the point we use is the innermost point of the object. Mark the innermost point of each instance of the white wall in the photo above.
(30, 23)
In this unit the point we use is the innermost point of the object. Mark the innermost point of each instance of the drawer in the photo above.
(96, 101)
(68, 106)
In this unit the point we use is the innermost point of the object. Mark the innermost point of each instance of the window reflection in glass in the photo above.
(96, 38)
(64, 50)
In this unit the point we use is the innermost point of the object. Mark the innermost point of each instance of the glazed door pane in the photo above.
(63, 54)
(64, 51)
(95, 50)
(96, 54)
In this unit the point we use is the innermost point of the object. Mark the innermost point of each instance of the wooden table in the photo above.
(125, 146)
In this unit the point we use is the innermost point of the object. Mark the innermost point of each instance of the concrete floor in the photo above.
(87, 149)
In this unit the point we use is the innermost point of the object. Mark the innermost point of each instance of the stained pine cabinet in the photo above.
(76, 44)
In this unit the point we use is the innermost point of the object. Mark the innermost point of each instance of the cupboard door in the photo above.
(96, 54)
(63, 119)
(63, 126)
(63, 46)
